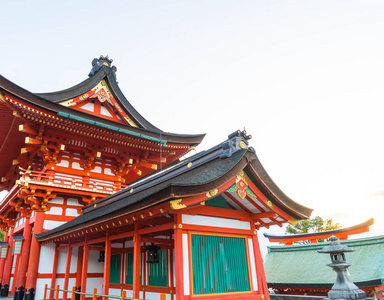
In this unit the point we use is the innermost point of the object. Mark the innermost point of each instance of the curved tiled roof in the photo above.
(303, 266)
(196, 175)
(49, 101)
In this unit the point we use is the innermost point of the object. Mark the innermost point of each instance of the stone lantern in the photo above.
(343, 288)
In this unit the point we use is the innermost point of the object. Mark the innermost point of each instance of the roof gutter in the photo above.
(112, 128)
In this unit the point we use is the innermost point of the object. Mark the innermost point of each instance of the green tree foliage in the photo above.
(2, 233)
(316, 224)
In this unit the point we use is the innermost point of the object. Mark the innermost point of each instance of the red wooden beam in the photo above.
(218, 212)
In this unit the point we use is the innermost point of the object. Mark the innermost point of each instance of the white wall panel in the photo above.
(40, 285)
(186, 263)
(57, 211)
(47, 253)
(93, 265)
(215, 222)
(62, 261)
(73, 268)
(71, 212)
(48, 224)
(94, 283)
(253, 264)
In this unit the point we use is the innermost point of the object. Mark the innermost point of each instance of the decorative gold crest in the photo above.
(175, 204)
(212, 193)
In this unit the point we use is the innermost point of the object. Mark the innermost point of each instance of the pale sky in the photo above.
(305, 78)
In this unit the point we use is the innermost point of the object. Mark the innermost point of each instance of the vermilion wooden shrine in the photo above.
(99, 198)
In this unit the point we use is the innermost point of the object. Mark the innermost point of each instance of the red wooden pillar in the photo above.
(179, 258)
(79, 270)
(261, 280)
(34, 255)
(24, 257)
(84, 269)
(107, 265)
(54, 271)
(7, 267)
(2, 261)
(136, 262)
(67, 270)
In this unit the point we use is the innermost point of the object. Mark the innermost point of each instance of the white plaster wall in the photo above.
(186, 263)
(48, 224)
(117, 245)
(13, 262)
(94, 283)
(253, 264)
(71, 212)
(57, 211)
(60, 282)
(47, 253)
(71, 283)
(40, 284)
(57, 200)
(215, 222)
(93, 265)
(62, 261)
(73, 268)
(11, 287)
(116, 292)
(73, 201)
(156, 296)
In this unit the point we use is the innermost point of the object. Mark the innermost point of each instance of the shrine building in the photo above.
(298, 269)
(98, 197)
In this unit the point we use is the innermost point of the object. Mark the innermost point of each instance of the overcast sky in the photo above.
(305, 78)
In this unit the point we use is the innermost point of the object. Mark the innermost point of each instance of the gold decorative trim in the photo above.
(293, 221)
(212, 193)
(175, 204)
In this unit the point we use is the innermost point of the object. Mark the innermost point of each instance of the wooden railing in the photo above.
(67, 181)
(94, 294)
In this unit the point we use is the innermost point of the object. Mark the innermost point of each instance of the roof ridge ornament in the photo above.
(98, 63)
(237, 140)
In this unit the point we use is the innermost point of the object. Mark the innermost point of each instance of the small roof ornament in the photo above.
(98, 63)
(237, 140)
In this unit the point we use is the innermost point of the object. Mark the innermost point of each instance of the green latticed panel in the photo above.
(114, 271)
(219, 265)
(129, 279)
(158, 271)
